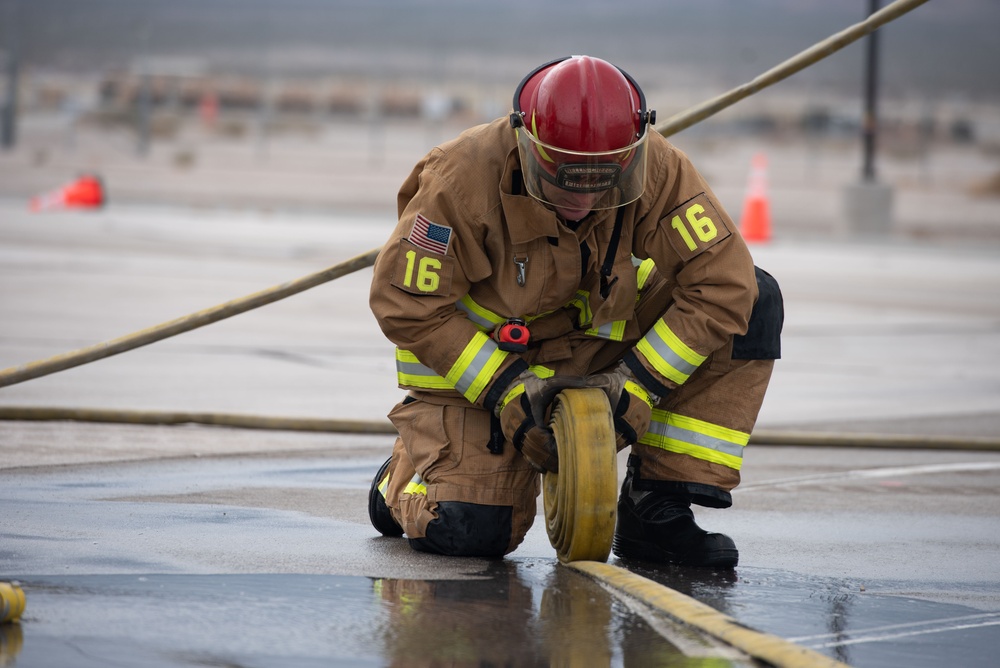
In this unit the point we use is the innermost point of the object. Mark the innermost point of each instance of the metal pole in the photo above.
(8, 114)
(143, 100)
(870, 125)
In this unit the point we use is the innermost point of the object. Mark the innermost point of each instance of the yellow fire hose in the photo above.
(778, 437)
(12, 602)
(770, 649)
(581, 499)
(19, 374)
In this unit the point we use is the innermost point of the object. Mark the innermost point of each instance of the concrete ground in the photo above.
(872, 556)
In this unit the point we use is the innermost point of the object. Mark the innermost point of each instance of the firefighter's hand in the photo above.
(524, 417)
(631, 403)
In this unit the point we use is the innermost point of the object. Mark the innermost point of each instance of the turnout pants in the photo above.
(451, 495)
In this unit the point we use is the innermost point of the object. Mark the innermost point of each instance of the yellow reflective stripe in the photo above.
(411, 373)
(670, 356)
(582, 301)
(518, 390)
(541, 371)
(487, 320)
(646, 267)
(538, 146)
(483, 318)
(614, 331)
(697, 438)
(513, 394)
(638, 391)
(416, 486)
(474, 368)
(384, 485)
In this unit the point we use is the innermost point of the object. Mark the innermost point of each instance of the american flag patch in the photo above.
(430, 236)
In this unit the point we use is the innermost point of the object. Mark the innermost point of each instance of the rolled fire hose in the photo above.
(581, 499)
(12, 602)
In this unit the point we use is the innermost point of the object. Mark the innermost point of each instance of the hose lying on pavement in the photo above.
(243, 421)
(769, 649)
(19, 374)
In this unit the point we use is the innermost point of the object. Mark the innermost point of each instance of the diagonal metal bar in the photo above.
(796, 63)
(18, 374)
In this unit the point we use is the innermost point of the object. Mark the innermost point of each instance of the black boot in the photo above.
(659, 526)
(378, 512)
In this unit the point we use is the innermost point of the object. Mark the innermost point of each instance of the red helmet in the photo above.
(581, 124)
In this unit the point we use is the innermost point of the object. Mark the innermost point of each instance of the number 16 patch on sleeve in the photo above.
(420, 272)
(430, 236)
(695, 226)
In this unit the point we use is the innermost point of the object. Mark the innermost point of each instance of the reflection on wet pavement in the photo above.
(11, 641)
(518, 614)
(841, 618)
(231, 563)
(523, 612)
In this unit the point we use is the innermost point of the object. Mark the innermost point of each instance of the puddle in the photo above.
(518, 614)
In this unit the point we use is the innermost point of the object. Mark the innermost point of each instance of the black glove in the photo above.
(524, 417)
(631, 403)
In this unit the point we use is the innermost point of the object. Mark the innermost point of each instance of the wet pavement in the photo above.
(204, 546)
(514, 615)
(195, 562)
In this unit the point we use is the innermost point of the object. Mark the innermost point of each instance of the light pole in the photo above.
(868, 204)
(8, 114)
(870, 127)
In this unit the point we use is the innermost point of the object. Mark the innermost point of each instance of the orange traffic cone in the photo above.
(208, 108)
(755, 224)
(87, 192)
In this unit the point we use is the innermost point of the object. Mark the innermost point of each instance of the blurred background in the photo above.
(319, 105)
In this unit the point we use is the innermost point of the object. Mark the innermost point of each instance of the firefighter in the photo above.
(568, 245)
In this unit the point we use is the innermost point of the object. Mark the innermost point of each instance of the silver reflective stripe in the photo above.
(479, 363)
(604, 331)
(415, 486)
(615, 330)
(413, 369)
(667, 354)
(702, 440)
(481, 317)
(411, 373)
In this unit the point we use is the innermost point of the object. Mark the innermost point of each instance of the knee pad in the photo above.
(467, 530)
(763, 338)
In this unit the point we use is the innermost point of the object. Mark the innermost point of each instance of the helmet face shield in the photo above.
(582, 129)
(618, 177)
